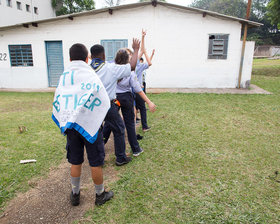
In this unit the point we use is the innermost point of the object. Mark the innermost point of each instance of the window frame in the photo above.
(36, 10)
(27, 7)
(218, 46)
(21, 55)
(19, 5)
(104, 42)
(9, 3)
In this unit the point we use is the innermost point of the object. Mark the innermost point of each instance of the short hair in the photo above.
(96, 50)
(141, 59)
(122, 57)
(78, 52)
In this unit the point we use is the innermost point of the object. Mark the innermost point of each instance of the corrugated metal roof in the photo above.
(134, 5)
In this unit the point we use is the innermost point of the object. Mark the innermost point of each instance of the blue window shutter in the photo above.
(112, 46)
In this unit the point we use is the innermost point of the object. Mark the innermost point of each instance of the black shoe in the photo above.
(75, 199)
(138, 153)
(125, 161)
(139, 137)
(105, 196)
(146, 129)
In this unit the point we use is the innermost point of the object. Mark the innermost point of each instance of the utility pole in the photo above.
(244, 42)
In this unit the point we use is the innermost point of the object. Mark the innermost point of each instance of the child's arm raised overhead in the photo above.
(152, 55)
(142, 49)
(134, 58)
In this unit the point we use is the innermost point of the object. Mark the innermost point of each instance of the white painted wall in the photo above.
(179, 37)
(12, 15)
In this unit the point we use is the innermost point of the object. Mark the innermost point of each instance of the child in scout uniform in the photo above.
(110, 73)
(126, 99)
(80, 105)
(140, 67)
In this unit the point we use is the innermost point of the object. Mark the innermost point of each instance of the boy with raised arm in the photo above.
(110, 73)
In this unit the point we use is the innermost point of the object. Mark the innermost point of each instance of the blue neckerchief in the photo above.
(97, 64)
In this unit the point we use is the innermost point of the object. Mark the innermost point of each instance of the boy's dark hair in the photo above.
(122, 57)
(96, 51)
(78, 52)
(141, 59)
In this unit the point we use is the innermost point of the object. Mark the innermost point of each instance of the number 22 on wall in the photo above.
(3, 57)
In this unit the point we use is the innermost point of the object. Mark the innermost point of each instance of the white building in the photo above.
(21, 11)
(194, 48)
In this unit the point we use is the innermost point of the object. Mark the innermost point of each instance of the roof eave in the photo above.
(128, 6)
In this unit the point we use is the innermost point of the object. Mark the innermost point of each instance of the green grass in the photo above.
(207, 158)
(266, 67)
(41, 141)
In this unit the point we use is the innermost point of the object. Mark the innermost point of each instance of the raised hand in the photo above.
(135, 44)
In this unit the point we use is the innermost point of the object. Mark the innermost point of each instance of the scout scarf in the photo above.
(97, 64)
(81, 101)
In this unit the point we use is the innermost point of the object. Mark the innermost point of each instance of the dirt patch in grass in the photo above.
(48, 199)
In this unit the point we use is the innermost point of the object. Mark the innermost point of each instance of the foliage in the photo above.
(274, 12)
(111, 3)
(64, 7)
(151, 0)
(266, 34)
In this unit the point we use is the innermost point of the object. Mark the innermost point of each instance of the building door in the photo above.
(111, 48)
(54, 61)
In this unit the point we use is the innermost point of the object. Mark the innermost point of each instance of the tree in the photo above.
(112, 3)
(63, 7)
(235, 8)
(266, 34)
(274, 12)
(151, 0)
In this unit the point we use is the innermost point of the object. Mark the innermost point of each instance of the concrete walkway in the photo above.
(253, 90)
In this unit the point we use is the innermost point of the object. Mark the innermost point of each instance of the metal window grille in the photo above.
(9, 3)
(36, 10)
(19, 5)
(218, 46)
(21, 55)
(27, 8)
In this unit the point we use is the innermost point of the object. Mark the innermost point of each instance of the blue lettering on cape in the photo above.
(56, 104)
(66, 103)
(95, 102)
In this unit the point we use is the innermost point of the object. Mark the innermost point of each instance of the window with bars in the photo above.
(36, 11)
(27, 8)
(19, 5)
(9, 3)
(218, 46)
(21, 55)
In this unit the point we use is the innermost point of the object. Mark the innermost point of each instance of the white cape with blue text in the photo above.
(81, 101)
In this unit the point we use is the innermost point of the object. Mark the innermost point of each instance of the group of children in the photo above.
(117, 86)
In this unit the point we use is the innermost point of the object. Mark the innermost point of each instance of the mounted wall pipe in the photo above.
(244, 43)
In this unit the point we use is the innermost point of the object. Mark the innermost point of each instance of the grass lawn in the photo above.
(207, 158)
(41, 141)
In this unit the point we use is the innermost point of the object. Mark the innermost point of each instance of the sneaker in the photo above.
(139, 137)
(105, 196)
(125, 161)
(75, 199)
(138, 153)
(146, 129)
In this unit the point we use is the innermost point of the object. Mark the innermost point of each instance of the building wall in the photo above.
(12, 15)
(180, 40)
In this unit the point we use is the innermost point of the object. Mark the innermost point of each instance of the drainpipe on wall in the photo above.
(244, 43)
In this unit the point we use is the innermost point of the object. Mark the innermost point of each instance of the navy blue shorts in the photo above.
(75, 149)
